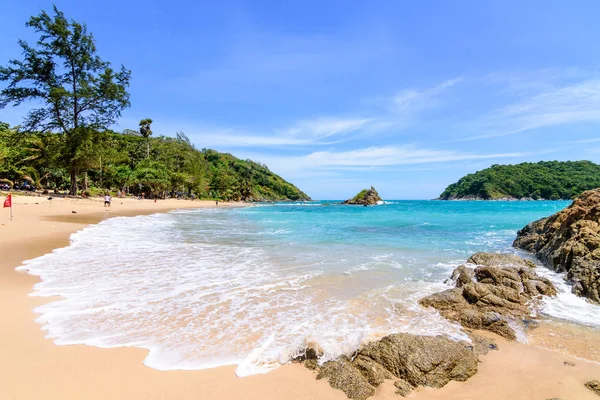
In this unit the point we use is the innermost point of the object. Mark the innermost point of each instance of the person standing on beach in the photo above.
(107, 200)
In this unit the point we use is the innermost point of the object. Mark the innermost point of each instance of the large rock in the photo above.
(569, 241)
(499, 259)
(409, 360)
(496, 295)
(423, 360)
(594, 386)
(365, 197)
(342, 375)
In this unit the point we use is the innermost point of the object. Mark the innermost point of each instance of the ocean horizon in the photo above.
(255, 286)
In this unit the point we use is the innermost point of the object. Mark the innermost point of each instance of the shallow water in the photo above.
(255, 286)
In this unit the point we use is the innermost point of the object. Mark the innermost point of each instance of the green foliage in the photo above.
(80, 94)
(117, 161)
(145, 132)
(361, 195)
(543, 180)
(151, 176)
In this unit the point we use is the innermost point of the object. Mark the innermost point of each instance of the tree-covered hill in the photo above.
(136, 163)
(551, 180)
(65, 143)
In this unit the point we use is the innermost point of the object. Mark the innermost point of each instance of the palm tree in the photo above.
(146, 131)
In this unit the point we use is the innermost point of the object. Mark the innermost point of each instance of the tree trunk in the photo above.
(73, 189)
(85, 181)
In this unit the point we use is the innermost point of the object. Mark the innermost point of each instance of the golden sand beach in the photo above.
(33, 367)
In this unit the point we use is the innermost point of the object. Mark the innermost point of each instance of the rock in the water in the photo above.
(594, 386)
(499, 260)
(569, 241)
(365, 197)
(309, 357)
(410, 360)
(493, 295)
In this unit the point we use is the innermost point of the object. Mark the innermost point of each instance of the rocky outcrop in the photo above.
(495, 296)
(499, 260)
(569, 241)
(594, 386)
(409, 360)
(365, 197)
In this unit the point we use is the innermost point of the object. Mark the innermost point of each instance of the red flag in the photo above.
(8, 201)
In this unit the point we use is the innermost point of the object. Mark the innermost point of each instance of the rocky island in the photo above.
(545, 180)
(366, 197)
(569, 241)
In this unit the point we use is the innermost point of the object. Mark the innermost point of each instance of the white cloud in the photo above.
(412, 101)
(574, 103)
(375, 157)
(586, 141)
(392, 155)
(325, 127)
(227, 140)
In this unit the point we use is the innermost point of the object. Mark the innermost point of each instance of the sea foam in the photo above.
(254, 287)
(212, 298)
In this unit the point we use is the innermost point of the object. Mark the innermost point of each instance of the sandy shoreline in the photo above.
(32, 367)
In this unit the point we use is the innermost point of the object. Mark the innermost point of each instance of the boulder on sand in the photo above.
(594, 386)
(409, 360)
(569, 241)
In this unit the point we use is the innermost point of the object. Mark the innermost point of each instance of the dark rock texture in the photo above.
(409, 360)
(569, 241)
(365, 197)
(494, 296)
(342, 375)
(594, 386)
(499, 260)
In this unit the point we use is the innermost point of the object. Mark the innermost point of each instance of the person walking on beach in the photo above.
(107, 200)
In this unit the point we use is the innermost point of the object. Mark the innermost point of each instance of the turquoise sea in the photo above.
(254, 286)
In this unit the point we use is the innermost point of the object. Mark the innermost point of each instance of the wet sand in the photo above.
(32, 367)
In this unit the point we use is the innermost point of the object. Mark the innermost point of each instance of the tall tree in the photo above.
(146, 131)
(80, 93)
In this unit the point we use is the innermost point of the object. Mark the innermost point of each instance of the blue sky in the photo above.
(340, 95)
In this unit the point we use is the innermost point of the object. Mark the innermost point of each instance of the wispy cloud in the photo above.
(568, 104)
(392, 155)
(317, 132)
(324, 127)
(374, 157)
(411, 101)
(586, 141)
